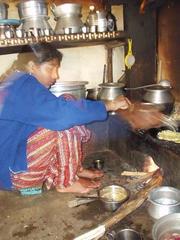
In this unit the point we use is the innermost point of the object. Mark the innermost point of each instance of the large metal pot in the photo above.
(163, 201)
(3, 10)
(161, 96)
(66, 9)
(76, 88)
(35, 22)
(109, 91)
(68, 16)
(31, 8)
(166, 226)
(69, 24)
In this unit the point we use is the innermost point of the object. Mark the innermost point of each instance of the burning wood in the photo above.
(149, 168)
(133, 174)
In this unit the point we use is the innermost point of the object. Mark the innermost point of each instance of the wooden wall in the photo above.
(142, 29)
(168, 44)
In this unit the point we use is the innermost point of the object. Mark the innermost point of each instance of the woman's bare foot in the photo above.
(90, 183)
(80, 186)
(91, 174)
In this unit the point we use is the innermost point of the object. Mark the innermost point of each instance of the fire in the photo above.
(149, 165)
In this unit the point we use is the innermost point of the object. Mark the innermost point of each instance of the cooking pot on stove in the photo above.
(160, 96)
(109, 91)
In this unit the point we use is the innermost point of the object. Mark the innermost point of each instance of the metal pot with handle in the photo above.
(161, 96)
(109, 91)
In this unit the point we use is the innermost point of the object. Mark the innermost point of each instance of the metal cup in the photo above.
(124, 234)
(98, 164)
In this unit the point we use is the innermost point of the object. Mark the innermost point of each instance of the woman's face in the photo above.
(47, 72)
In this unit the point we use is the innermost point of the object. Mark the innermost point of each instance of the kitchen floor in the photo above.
(48, 217)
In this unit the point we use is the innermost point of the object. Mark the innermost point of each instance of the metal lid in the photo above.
(112, 85)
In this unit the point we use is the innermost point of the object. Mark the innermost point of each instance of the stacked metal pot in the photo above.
(3, 10)
(34, 16)
(7, 26)
(68, 17)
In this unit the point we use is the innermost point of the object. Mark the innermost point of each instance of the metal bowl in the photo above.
(113, 196)
(163, 201)
(166, 225)
(124, 234)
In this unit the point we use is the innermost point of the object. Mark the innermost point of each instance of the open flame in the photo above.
(149, 165)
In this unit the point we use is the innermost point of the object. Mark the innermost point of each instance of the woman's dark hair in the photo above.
(45, 52)
(39, 53)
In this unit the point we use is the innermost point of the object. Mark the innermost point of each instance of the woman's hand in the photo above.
(119, 102)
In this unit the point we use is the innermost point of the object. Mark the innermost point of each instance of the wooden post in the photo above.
(109, 47)
(109, 64)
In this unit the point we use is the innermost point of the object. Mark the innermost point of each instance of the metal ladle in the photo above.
(163, 83)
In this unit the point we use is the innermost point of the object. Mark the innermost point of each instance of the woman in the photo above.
(42, 135)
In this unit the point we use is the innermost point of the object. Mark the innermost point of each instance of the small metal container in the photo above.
(101, 21)
(163, 201)
(98, 164)
(124, 234)
(113, 196)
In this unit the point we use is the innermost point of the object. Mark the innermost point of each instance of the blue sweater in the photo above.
(25, 105)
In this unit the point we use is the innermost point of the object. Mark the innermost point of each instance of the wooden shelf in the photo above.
(15, 45)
